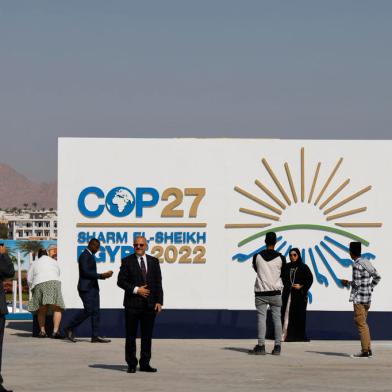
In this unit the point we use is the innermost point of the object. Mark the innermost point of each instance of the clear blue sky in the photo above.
(280, 69)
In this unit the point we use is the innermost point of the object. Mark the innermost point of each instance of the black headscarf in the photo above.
(296, 250)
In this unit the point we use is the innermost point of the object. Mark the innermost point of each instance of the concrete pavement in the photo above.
(32, 364)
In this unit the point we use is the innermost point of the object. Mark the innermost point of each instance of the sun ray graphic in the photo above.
(281, 246)
(332, 175)
(334, 194)
(303, 255)
(325, 253)
(290, 179)
(270, 194)
(288, 250)
(314, 182)
(276, 181)
(257, 200)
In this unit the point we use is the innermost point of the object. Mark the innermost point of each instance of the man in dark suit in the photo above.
(6, 271)
(89, 293)
(140, 278)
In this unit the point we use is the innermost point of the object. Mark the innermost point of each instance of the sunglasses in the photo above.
(293, 255)
(138, 245)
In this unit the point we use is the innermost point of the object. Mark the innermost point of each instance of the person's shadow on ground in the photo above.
(23, 334)
(120, 368)
(329, 353)
(238, 349)
(20, 326)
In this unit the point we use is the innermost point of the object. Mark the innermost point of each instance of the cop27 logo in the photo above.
(121, 201)
(332, 212)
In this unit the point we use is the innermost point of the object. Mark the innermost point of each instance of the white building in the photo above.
(32, 225)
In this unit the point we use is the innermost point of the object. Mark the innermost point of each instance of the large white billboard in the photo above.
(205, 204)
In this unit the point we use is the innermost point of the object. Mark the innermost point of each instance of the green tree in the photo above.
(26, 247)
(3, 231)
(14, 259)
(12, 253)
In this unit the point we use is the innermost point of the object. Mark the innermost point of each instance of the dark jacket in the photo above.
(88, 276)
(303, 276)
(7, 271)
(130, 275)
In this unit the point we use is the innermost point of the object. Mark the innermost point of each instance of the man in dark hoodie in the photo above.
(268, 265)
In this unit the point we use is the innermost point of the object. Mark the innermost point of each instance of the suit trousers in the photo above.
(90, 301)
(146, 318)
(2, 326)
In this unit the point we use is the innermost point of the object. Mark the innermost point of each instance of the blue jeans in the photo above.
(275, 303)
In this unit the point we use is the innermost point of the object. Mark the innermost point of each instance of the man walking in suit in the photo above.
(6, 271)
(89, 293)
(140, 278)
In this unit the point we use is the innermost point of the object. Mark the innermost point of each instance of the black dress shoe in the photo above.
(69, 334)
(2, 389)
(148, 369)
(131, 369)
(97, 339)
(55, 335)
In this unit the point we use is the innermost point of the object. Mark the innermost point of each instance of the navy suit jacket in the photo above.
(130, 275)
(6, 271)
(88, 276)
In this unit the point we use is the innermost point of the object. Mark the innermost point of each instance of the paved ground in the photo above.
(32, 364)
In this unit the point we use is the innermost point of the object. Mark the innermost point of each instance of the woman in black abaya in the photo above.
(297, 279)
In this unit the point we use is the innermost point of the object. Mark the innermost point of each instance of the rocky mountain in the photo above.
(17, 190)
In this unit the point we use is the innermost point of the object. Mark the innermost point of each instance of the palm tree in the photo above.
(12, 254)
(27, 247)
(3, 231)
(25, 205)
(14, 260)
(11, 251)
(34, 204)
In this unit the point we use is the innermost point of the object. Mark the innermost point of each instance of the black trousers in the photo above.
(90, 301)
(2, 326)
(146, 318)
